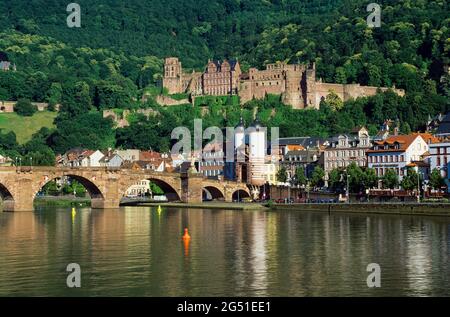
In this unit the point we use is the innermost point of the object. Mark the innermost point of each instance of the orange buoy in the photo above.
(186, 235)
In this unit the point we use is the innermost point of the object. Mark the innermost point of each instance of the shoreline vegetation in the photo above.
(410, 209)
(49, 201)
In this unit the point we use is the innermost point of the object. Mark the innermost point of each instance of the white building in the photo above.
(91, 158)
(139, 189)
(396, 152)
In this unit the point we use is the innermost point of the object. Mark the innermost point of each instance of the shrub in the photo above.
(24, 107)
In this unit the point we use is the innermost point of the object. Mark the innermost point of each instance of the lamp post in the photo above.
(307, 191)
(289, 189)
(347, 191)
(418, 186)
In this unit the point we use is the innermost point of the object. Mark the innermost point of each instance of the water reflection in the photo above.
(139, 251)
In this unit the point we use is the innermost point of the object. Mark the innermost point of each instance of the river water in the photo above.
(136, 251)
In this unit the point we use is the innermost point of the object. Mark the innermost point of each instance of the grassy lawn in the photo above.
(25, 127)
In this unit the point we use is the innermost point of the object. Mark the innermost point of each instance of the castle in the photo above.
(295, 83)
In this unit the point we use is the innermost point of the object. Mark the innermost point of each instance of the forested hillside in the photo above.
(118, 54)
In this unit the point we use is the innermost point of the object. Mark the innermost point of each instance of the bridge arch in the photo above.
(239, 194)
(92, 189)
(6, 197)
(213, 192)
(5, 194)
(170, 189)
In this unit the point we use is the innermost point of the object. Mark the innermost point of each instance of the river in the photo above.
(138, 251)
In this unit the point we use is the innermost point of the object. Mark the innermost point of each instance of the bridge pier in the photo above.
(228, 195)
(20, 204)
(100, 203)
(191, 188)
(22, 194)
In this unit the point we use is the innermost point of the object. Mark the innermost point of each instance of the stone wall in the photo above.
(348, 91)
(121, 119)
(167, 101)
(8, 106)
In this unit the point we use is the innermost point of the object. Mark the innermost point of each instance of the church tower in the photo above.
(257, 153)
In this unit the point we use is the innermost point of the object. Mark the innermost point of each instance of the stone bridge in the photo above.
(106, 186)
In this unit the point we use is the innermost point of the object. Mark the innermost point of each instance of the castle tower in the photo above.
(173, 75)
(310, 87)
(292, 95)
(257, 154)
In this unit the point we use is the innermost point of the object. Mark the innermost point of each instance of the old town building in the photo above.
(399, 152)
(345, 149)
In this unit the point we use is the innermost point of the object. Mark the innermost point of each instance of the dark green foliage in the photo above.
(411, 180)
(436, 179)
(300, 178)
(390, 179)
(117, 56)
(282, 175)
(317, 178)
(88, 130)
(24, 107)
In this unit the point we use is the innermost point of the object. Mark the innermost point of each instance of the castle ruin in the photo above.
(295, 83)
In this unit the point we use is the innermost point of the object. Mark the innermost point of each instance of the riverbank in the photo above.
(61, 201)
(413, 209)
(212, 205)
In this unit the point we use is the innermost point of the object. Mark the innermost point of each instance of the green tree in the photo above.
(155, 189)
(335, 180)
(390, 179)
(356, 178)
(300, 176)
(410, 180)
(436, 179)
(282, 175)
(371, 178)
(24, 107)
(51, 189)
(317, 177)
(88, 130)
(333, 101)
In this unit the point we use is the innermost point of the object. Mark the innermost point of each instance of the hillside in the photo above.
(118, 54)
(25, 127)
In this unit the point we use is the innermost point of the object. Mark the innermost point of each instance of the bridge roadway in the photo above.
(107, 186)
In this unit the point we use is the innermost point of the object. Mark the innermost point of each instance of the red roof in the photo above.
(404, 141)
(149, 156)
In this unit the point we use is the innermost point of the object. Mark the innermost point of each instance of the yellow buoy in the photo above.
(159, 208)
(74, 212)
